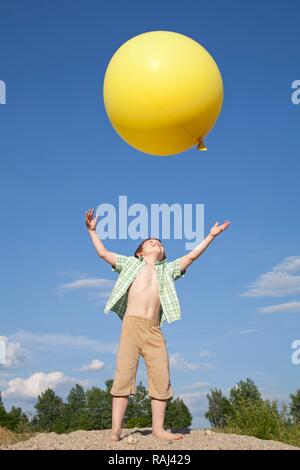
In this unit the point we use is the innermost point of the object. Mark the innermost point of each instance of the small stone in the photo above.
(132, 440)
(208, 432)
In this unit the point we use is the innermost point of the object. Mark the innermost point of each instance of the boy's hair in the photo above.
(140, 247)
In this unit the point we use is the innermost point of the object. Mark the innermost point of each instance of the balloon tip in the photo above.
(201, 146)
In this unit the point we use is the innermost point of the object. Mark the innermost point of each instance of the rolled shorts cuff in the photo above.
(161, 396)
(121, 393)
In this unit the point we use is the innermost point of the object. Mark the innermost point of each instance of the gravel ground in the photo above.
(142, 439)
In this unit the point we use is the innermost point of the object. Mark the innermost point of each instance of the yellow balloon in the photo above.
(163, 92)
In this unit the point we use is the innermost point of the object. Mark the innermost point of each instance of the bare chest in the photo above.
(146, 278)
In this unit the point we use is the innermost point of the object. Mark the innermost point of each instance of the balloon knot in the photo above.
(201, 145)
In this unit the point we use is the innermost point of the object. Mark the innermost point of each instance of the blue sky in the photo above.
(60, 156)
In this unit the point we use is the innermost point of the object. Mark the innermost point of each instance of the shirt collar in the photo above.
(163, 261)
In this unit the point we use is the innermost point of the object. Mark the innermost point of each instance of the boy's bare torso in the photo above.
(143, 295)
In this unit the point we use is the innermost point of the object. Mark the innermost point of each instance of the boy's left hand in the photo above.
(217, 229)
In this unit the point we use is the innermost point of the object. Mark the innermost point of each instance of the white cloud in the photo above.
(205, 353)
(281, 280)
(3, 382)
(293, 307)
(87, 284)
(197, 403)
(194, 400)
(94, 365)
(265, 378)
(177, 361)
(98, 288)
(51, 340)
(92, 296)
(29, 389)
(196, 385)
(279, 397)
(14, 353)
(249, 331)
(241, 332)
(229, 333)
(206, 366)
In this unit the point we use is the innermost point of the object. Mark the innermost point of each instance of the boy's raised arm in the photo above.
(190, 257)
(105, 254)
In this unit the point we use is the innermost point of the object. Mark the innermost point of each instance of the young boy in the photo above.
(143, 297)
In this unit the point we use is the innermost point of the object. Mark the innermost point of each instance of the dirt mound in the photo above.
(141, 439)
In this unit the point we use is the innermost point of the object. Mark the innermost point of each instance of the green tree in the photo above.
(246, 412)
(51, 414)
(109, 384)
(218, 408)
(244, 390)
(17, 420)
(76, 398)
(138, 413)
(3, 413)
(295, 406)
(260, 419)
(76, 409)
(92, 409)
(178, 415)
(99, 405)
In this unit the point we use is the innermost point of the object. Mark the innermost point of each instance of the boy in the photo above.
(143, 297)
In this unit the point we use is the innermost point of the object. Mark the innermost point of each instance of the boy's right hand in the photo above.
(105, 254)
(90, 221)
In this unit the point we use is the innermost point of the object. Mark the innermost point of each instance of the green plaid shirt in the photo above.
(167, 273)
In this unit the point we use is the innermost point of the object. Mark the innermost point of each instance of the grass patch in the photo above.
(8, 437)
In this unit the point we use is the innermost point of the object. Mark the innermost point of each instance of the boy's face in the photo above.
(153, 246)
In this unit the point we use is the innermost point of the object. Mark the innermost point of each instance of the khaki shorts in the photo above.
(141, 336)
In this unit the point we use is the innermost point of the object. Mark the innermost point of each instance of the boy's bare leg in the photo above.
(158, 417)
(119, 406)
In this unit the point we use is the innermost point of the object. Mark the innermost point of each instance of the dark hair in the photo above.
(140, 247)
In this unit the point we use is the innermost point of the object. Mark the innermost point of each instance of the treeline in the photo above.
(90, 410)
(244, 411)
